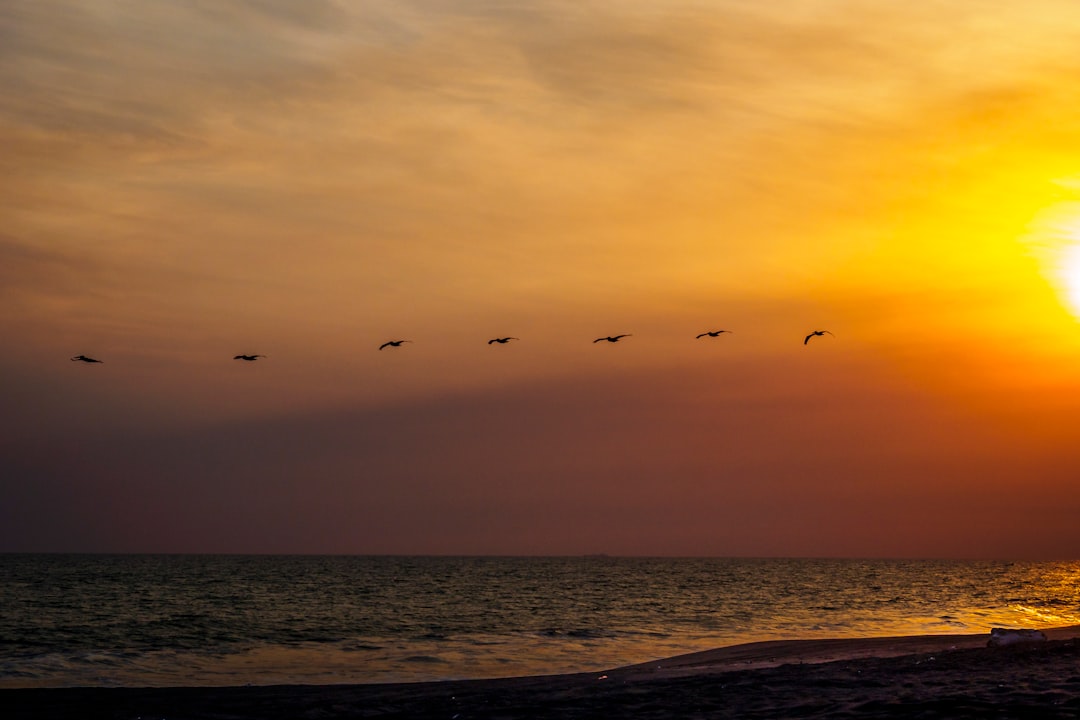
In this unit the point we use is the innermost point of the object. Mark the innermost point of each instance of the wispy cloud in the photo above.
(183, 181)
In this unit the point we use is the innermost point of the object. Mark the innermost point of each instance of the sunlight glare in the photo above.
(1055, 242)
(1070, 271)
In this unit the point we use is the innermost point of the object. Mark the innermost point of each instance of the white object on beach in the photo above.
(1004, 636)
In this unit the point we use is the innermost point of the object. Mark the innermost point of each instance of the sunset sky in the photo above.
(183, 181)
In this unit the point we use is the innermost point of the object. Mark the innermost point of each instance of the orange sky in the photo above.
(180, 183)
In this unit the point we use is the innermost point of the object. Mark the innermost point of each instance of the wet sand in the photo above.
(937, 676)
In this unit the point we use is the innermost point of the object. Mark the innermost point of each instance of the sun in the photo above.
(1054, 240)
(1069, 269)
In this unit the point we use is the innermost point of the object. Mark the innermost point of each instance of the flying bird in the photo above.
(83, 358)
(714, 333)
(610, 338)
(249, 358)
(393, 343)
(502, 341)
(816, 333)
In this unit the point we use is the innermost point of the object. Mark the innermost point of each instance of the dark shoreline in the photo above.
(925, 677)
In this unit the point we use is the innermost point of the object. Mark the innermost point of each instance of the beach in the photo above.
(930, 676)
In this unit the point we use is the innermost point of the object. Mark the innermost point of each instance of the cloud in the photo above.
(181, 182)
(26, 266)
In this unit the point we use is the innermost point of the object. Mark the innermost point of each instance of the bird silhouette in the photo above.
(249, 358)
(502, 341)
(83, 358)
(714, 333)
(393, 343)
(816, 333)
(611, 338)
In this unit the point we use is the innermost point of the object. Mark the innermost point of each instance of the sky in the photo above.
(185, 181)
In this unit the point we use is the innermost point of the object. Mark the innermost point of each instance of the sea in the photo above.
(202, 620)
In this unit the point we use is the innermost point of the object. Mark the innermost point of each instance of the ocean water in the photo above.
(171, 620)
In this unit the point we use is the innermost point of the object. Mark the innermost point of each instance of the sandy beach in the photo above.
(937, 676)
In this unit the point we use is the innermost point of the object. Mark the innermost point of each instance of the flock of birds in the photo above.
(498, 340)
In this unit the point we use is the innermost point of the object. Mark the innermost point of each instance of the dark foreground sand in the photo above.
(951, 676)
